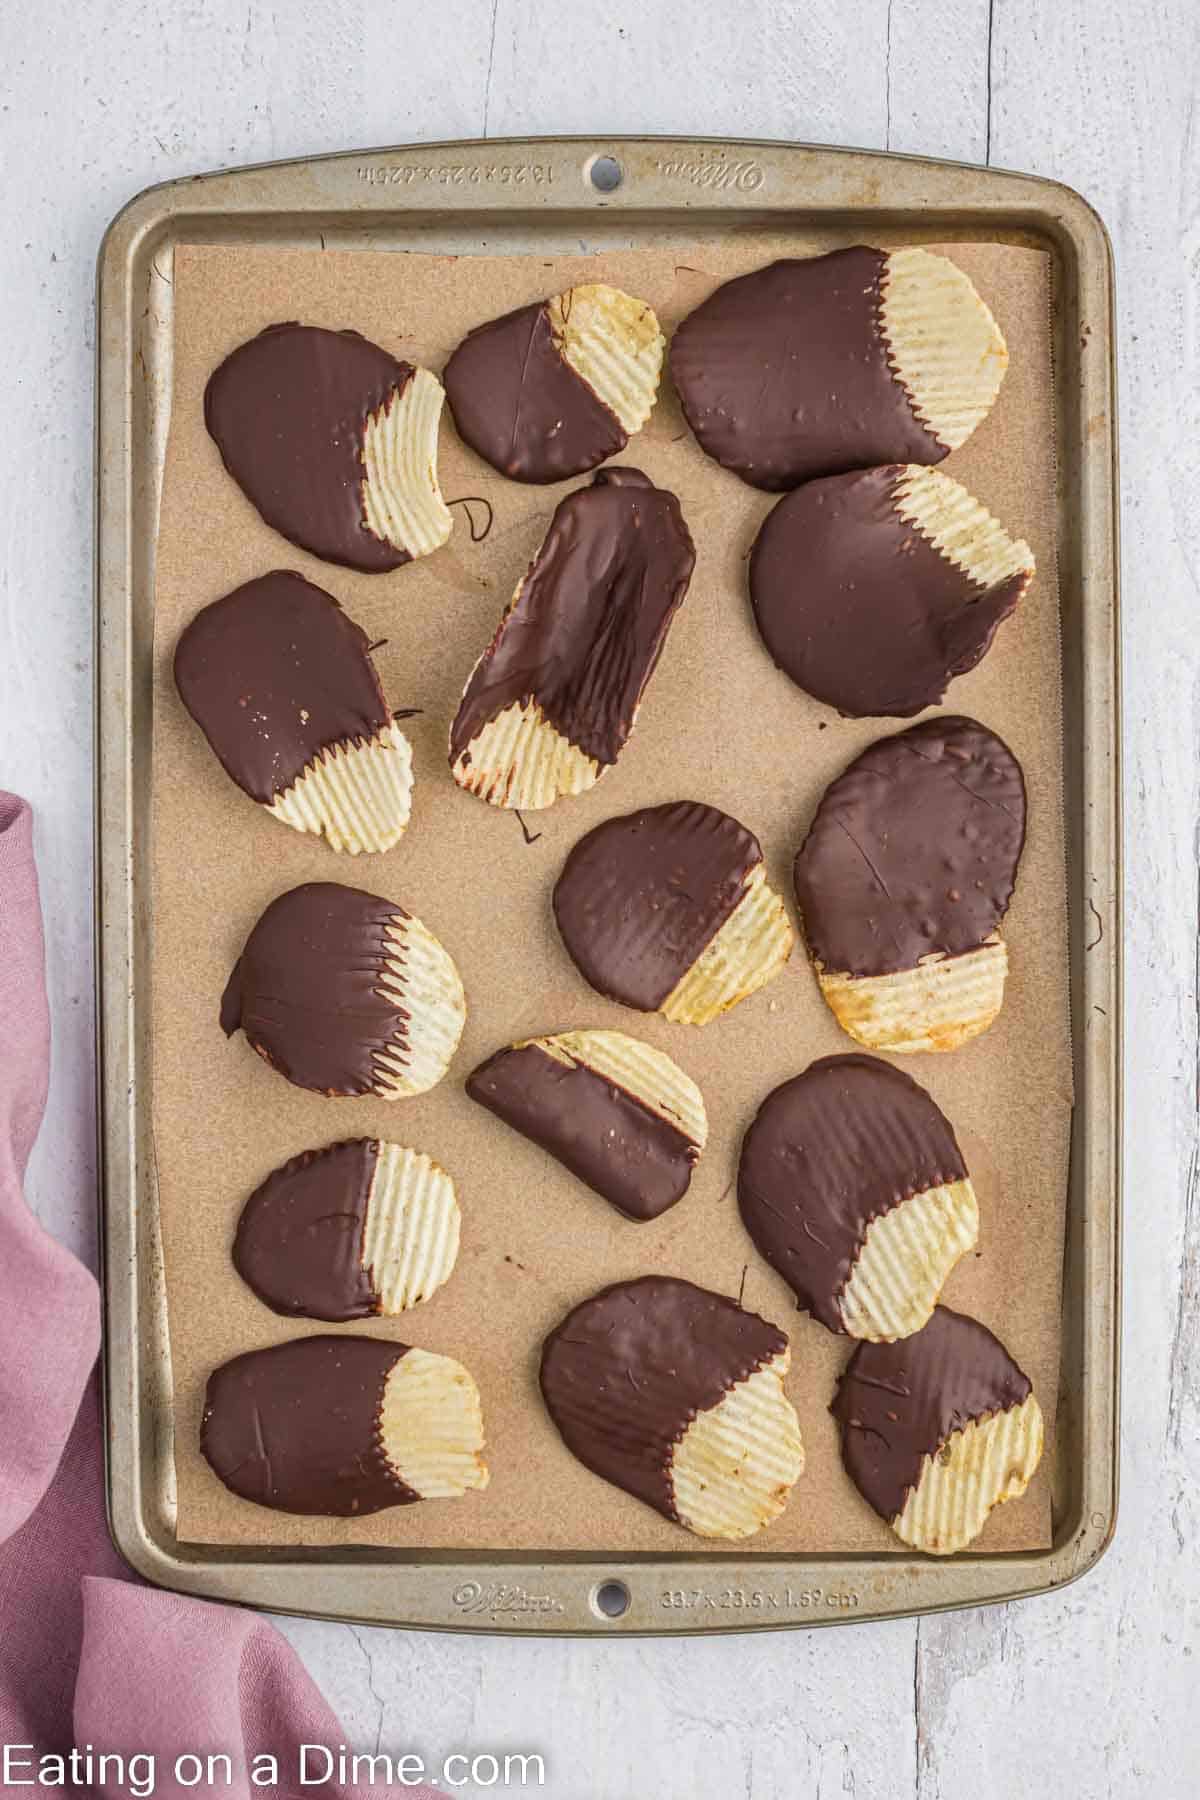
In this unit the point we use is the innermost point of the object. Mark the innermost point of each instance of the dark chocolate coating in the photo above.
(518, 402)
(305, 988)
(913, 850)
(273, 674)
(625, 1152)
(784, 374)
(898, 1403)
(640, 897)
(829, 1152)
(626, 1372)
(591, 617)
(288, 411)
(297, 1427)
(858, 608)
(299, 1239)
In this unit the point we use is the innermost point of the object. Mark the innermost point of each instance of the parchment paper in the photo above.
(719, 724)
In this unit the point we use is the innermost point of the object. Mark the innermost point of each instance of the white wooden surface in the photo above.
(1088, 1693)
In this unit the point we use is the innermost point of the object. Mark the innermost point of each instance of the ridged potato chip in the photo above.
(551, 703)
(358, 1228)
(676, 1395)
(852, 1185)
(343, 1426)
(617, 1112)
(557, 387)
(282, 684)
(669, 910)
(938, 1430)
(904, 879)
(346, 993)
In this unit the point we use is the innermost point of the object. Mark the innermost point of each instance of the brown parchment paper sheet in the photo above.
(719, 724)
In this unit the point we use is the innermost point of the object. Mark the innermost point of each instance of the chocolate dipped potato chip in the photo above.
(820, 364)
(555, 388)
(619, 1114)
(853, 1187)
(552, 701)
(343, 1426)
(334, 442)
(358, 1228)
(675, 1394)
(346, 993)
(904, 879)
(872, 591)
(937, 1430)
(282, 685)
(669, 910)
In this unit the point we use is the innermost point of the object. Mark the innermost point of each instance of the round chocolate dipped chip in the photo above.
(827, 363)
(619, 1114)
(334, 442)
(343, 1426)
(903, 880)
(553, 699)
(675, 1394)
(937, 1430)
(361, 1227)
(668, 910)
(553, 389)
(346, 993)
(872, 591)
(853, 1187)
(282, 685)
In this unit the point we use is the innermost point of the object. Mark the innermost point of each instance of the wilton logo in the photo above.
(716, 172)
(496, 1597)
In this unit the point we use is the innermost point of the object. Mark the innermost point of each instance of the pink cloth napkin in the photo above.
(88, 1655)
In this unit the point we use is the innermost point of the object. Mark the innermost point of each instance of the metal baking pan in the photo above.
(558, 193)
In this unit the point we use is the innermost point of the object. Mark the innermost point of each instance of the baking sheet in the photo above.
(719, 724)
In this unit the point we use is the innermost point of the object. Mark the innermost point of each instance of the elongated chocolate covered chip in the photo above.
(872, 591)
(555, 388)
(668, 910)
(903, 880)
(281, 683)
(346, 993)
(814, 366)
(937, 1430)
(619, 1114)
(675, 1394)
(343, 1426)
(553, 699)
(334, 442)
(852, 1186)
(361, 1227)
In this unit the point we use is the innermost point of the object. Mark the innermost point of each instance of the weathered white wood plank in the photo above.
(761, 68)
(1096, 1686)
(937, 78)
